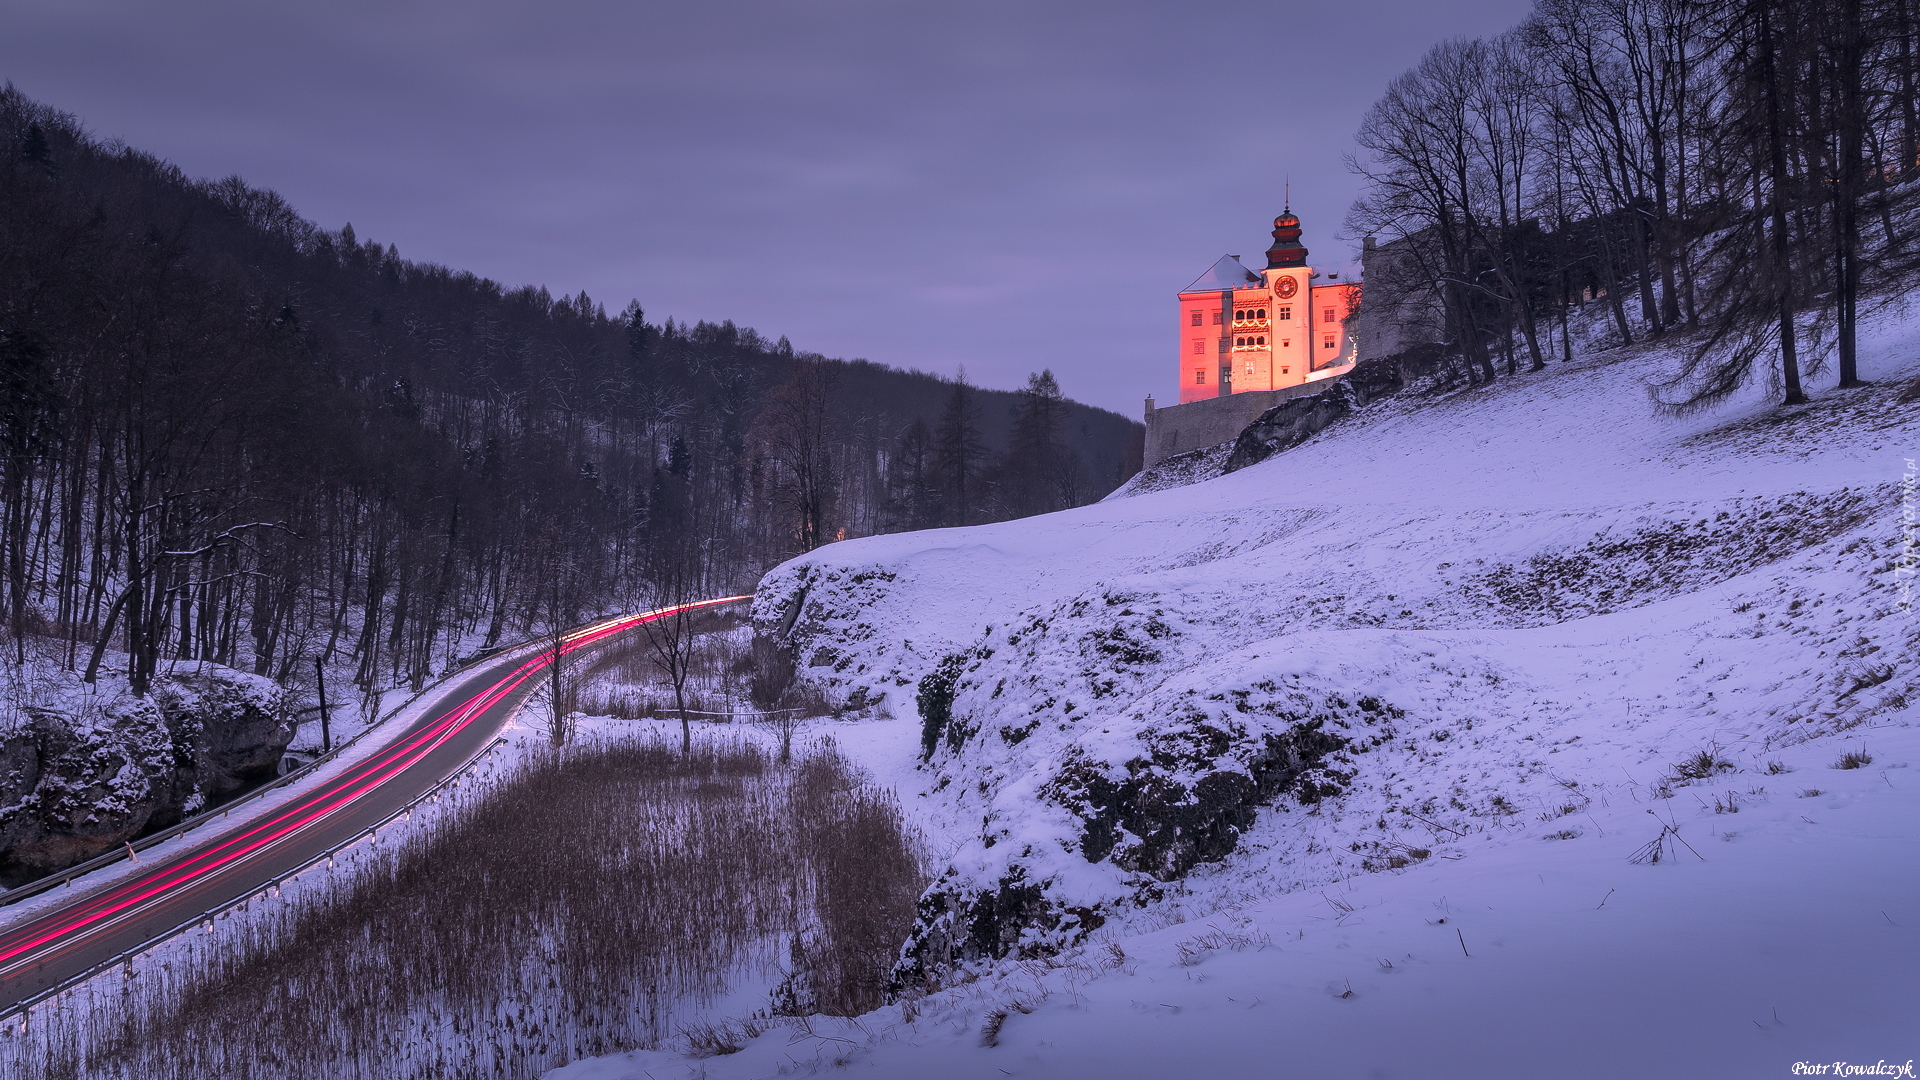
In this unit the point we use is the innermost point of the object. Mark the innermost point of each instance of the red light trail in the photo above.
(68, 928)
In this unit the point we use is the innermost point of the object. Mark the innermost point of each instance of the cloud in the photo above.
(1006, 185)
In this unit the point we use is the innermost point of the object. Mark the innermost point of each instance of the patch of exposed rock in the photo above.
(1117, 803)
(1291, 423)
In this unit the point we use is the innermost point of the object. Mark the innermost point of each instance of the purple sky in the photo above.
(1007, 186)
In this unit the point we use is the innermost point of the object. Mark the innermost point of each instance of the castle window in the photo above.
(1284, 371)
(1260, 341)
(1199, 348)
(1224, 342)
(1327, 342)
(1216, 318)
(1196, 318)
(1261, 314)
(1286, 314)
(1286, 343)
(1249, 367)
(1200, 377)
(1239, 342)
(1326, 315)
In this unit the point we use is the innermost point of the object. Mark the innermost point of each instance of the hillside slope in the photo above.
(1389, 713)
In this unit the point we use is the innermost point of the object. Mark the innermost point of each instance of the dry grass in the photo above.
(1196, 949)
(623, 680)
(732, 675)
(1866, 678)
(1665, 846)
(574, 910)
(1702, 764)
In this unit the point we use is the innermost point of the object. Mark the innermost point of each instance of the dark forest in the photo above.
(232, 435)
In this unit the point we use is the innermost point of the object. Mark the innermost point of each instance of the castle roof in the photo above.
(1227, 273)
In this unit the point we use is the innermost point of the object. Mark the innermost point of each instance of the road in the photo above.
(96, 928)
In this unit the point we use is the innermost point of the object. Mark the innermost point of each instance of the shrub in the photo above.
(935, 700)
(1867, 678)
(1701, 764)
(772, 672)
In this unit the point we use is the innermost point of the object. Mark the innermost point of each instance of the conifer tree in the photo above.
(958, 452)
(1033, 473)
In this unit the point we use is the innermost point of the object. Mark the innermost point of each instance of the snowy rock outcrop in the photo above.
(228, 730)
(78, 781)
(1080, 821)
(86, 773)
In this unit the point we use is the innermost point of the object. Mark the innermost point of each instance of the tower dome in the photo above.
(1287, 249)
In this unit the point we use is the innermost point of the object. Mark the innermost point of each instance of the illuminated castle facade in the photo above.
(1242, 331)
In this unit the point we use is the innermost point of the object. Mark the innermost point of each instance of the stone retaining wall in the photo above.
(1177, 429)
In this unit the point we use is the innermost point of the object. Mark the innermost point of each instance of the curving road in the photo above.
(95, 929)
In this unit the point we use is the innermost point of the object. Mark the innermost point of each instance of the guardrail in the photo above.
(63, 878)
(125, 956)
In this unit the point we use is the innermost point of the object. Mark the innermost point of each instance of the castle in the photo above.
(1250, 340)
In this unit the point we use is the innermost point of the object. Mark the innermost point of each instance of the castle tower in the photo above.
(1242, 331)
(1287, 251)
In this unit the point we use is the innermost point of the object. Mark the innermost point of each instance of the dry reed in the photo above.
(581, 907)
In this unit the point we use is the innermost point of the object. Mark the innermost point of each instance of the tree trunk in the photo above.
(1852, 121)
(1780, 249)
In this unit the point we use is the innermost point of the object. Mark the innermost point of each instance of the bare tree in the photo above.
(560, 714)
(1753, 282)
(795, 434)
(1420, 181)
(1742, 168)
(677, 577)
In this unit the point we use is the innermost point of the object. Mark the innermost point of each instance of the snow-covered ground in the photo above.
(1406, 711)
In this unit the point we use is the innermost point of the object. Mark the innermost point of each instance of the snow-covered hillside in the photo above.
(1516, 712)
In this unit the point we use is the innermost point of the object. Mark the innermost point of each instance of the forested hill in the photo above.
(230, 434)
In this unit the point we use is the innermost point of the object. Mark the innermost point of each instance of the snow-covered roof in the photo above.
(1227, 273)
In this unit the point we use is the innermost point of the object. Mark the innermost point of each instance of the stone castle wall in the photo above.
(1176, 429)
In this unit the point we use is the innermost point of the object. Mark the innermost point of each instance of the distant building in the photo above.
(1250, 340)
(1403, 310)
(1241, 331)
